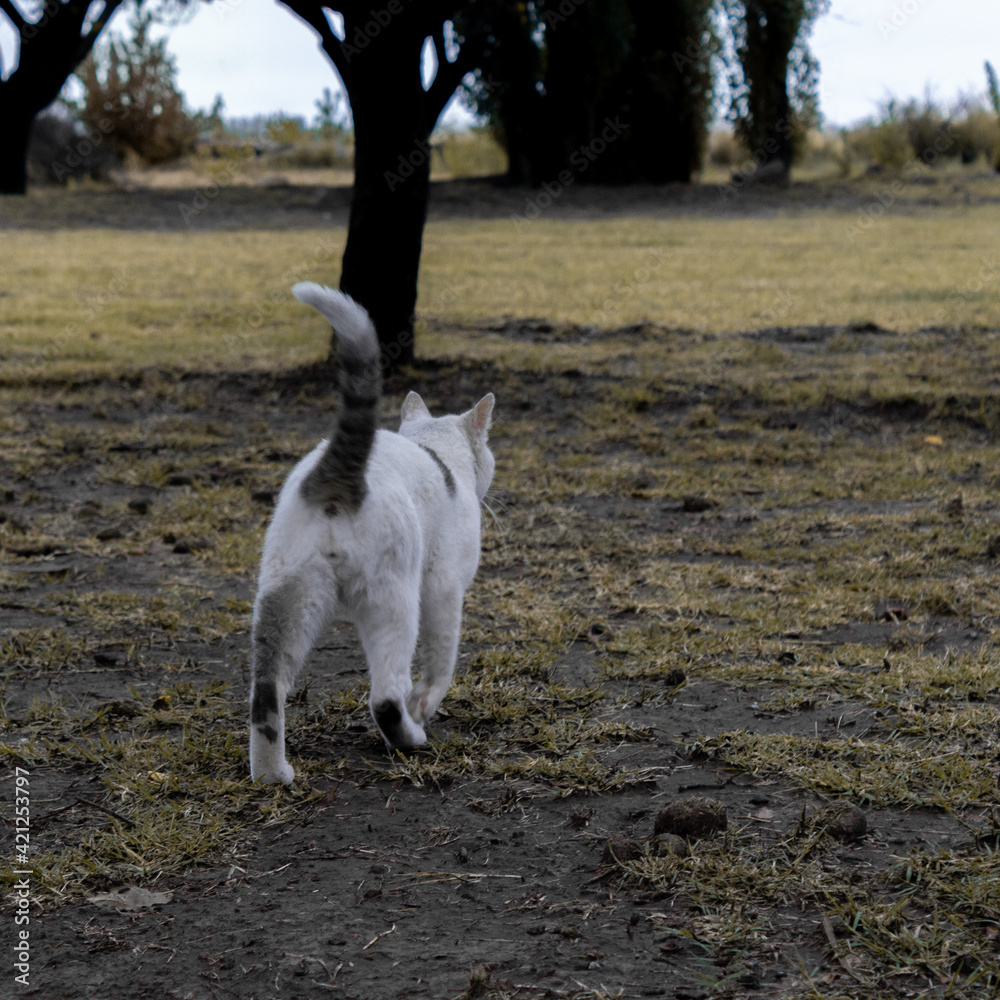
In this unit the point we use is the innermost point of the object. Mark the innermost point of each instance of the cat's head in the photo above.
(474, 426)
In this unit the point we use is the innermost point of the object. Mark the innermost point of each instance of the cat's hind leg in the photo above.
(388, 635)
(287, 619)
(440, 625)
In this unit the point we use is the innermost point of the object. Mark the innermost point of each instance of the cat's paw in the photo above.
(398, 729)
(274, 774)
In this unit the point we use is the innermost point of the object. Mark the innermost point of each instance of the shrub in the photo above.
(130, 94)
(978, 135)
(61, 148)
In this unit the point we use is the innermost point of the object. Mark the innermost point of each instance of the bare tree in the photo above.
(54, 37)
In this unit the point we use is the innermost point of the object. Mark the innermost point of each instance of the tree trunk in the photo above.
(50, 49)
(391, 186)
(15, 127)
(771, 29)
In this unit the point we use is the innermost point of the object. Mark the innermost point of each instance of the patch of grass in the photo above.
(869, 772)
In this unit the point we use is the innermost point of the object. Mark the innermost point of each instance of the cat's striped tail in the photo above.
(337, 481)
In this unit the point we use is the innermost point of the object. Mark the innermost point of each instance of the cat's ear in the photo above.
(413, 407)
(480, 417)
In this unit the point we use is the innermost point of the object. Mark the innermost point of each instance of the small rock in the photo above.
(126, 709)
(620, 848)
(695, 503)
(674, 678)
(139, 506)
(668, 843)
(187, 545)
(843, 820)
(954, 506)
(694, 818)
(108, 534)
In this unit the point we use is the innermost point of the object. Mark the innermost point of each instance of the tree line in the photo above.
(596, 91)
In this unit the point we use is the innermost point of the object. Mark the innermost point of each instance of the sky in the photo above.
(262, 59)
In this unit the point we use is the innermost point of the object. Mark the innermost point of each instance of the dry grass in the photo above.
(218, 300)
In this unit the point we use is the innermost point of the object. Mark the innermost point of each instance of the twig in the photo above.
(377, 936)
(86, 802)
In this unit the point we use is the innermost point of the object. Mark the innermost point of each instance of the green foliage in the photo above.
(994, 89)
(551, 77)
(924, 133)
(333, 114)
(131, 96)
(994, 92)
(285, 129)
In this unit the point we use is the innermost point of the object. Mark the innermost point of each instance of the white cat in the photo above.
(379, 525)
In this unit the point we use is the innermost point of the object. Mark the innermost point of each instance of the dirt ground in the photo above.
(374, 883)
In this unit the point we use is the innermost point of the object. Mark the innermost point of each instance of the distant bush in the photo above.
(922, 131)
(312, 154)
(285, 130)
(823, 147)
(978, 136)
(130, 94)
(884, 142)
(62, 149)
(470, 153)
(929, 131)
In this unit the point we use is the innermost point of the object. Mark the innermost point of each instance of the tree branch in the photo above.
(313, 15)
(87, 41)
(15, 15)
(449, 75)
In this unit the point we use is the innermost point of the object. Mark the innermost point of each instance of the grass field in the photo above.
(102, 299)
(749, 465)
